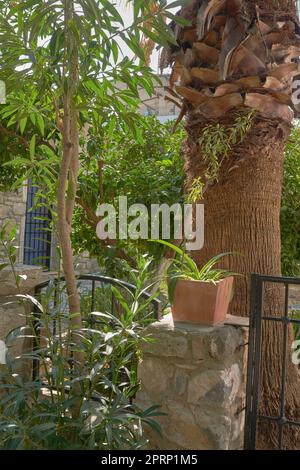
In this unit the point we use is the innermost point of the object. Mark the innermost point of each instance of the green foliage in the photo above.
(290, 208)
(295, 315)
(186, 268)
(196, 190)
(149, 171)
(216, 142)
(37, 47)
(44, 414)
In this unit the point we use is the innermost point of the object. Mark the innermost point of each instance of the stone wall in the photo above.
(197, 375)
(85, 265)
(13, 208)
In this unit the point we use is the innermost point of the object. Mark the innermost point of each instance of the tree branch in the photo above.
(92, 220)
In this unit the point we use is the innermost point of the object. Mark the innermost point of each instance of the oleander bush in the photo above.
(71, 403)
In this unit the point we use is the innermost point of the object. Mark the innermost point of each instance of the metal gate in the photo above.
(37, 239)
(257, 317)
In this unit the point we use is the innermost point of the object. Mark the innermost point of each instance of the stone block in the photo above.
(199, 347)
(8, 284)
(167, 345)
(12, 316)
(218, 428)
(19, 208)
(223, 342)
(155, 375)
(182, 429)
(180, 382)
(196, 375)
(4, 211)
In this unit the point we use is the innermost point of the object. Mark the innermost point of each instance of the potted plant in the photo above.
(198, 295)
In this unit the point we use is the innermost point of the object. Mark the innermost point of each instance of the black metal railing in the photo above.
(256, 337)
(91, 283)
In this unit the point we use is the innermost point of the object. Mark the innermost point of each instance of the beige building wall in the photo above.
(157, 105)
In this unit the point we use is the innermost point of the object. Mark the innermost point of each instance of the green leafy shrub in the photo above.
(74, 404)
(290, 210)
(147, 171)
(151, 170)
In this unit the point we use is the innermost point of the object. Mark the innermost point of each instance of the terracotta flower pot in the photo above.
(201, 302)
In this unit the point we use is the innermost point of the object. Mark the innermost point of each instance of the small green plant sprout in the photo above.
(216, 141)
(184, 267)
(196, 191)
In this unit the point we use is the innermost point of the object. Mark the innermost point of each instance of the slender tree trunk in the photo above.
(65, 212)
(67, 185)
(67, 188)
(242, 214)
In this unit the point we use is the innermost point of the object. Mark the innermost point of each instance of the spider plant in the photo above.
(184, 267)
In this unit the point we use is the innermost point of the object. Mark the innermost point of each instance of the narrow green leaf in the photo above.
(32, 147)
(23, 123)
(41, 124)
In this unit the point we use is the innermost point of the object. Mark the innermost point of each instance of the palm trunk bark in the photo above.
(242, 215)
(238, 55)
(242, 210)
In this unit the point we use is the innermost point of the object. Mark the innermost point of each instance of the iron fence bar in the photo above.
(281, 319)
(282, 419)
(257, 352)
(93, 296)
(156, 303)
(286, 300)
(252, 415)
(280, 280)
(112, 303)
(55, 305)
(248, 444)
(275, 419)
(35, 343)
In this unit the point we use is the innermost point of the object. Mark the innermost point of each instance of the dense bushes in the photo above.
(290, 211)
(147, 171)
(72, 404)
(151, 171)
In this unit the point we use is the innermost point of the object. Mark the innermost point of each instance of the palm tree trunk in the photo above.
(234, 56)
(242, 209)
(242, 215)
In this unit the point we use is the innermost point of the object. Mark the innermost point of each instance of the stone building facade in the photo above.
(157, 105)
(13, 209)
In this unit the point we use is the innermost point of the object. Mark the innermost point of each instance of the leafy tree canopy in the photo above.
(148, 171)
(36, 45)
